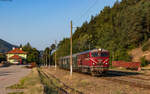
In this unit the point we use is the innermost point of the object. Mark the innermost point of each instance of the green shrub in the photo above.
(146, 46)
(123, 55)
(144, 62)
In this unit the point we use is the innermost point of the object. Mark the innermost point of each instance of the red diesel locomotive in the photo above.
(94, 62)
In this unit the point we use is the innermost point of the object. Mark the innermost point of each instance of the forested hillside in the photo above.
(118, 29)
(5, 46)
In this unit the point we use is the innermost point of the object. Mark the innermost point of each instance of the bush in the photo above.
(123, 55)
(144, 62)
(146, 46)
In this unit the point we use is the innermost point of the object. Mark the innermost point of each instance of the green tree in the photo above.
(2, 57)
(32, 53)
(119, 28)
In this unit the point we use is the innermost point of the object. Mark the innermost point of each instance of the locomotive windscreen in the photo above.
(98, 54)
(104, 54)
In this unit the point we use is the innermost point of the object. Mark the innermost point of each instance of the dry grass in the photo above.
(137, 53)
(93, 85)
(31, 84)
(52, 85)
(16, 93)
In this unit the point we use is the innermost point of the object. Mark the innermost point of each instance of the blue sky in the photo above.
(41, 22)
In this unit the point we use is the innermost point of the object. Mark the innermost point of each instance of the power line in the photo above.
(87, 10)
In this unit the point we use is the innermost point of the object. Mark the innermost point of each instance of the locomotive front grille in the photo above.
(100, 62)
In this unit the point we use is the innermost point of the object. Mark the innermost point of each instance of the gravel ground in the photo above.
(11, 75)
(94, 85)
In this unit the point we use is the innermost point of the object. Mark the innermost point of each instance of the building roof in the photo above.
(16, 51)
(15, 57)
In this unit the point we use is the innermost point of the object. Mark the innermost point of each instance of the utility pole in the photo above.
(71, 51)
(55, 54)
(49, 57)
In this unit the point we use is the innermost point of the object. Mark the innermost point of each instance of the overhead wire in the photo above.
(95, 2)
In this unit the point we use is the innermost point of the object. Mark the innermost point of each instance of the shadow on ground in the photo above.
(113, 73)
(4, 65)
(5, 73)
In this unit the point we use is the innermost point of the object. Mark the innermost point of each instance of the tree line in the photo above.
(48, 55)
(120, 28)
(39, 57)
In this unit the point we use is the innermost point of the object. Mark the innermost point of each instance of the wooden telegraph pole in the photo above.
(49, 63)
(55, 53)
(71, 51)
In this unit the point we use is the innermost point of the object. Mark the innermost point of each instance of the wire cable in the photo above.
(95, 2)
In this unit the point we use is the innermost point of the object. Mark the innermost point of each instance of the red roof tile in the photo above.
(16, 51)
(15, 57)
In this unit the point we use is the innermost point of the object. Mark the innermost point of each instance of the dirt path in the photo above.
(11, 75)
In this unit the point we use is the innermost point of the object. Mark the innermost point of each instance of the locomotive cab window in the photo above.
(104, 54)
(98, 54)
(95, 54)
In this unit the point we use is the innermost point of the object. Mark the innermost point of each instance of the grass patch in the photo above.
(16, 86)
(53, 85)
(23, 83)
(84, 83)
(20, 85)
(30, 83)
(144, 62)
(50, 85)
(16, 93)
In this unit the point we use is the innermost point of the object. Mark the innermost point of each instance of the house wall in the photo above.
(24, 56)
(13, 61)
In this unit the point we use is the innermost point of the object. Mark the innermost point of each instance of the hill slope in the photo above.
(138, 54)
(5, 46)
(141, 52)
(119, 29)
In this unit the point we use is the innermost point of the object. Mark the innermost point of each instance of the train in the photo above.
(94, 62)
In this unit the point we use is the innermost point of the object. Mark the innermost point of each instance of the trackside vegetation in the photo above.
(120, 28)
(31, 84)
(144, 62)
(146, 46)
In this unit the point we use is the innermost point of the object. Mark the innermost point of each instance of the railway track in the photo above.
(146, 75)
(65, 87)
(131, 80)
(128, 82)
(135, 76)
(125, 78)
(60, 90)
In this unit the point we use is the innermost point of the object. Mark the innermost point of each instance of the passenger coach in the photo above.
(95, 62)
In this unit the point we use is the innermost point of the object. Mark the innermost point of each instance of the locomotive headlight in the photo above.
(93, 63)
(99, 49)
(106, 63)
